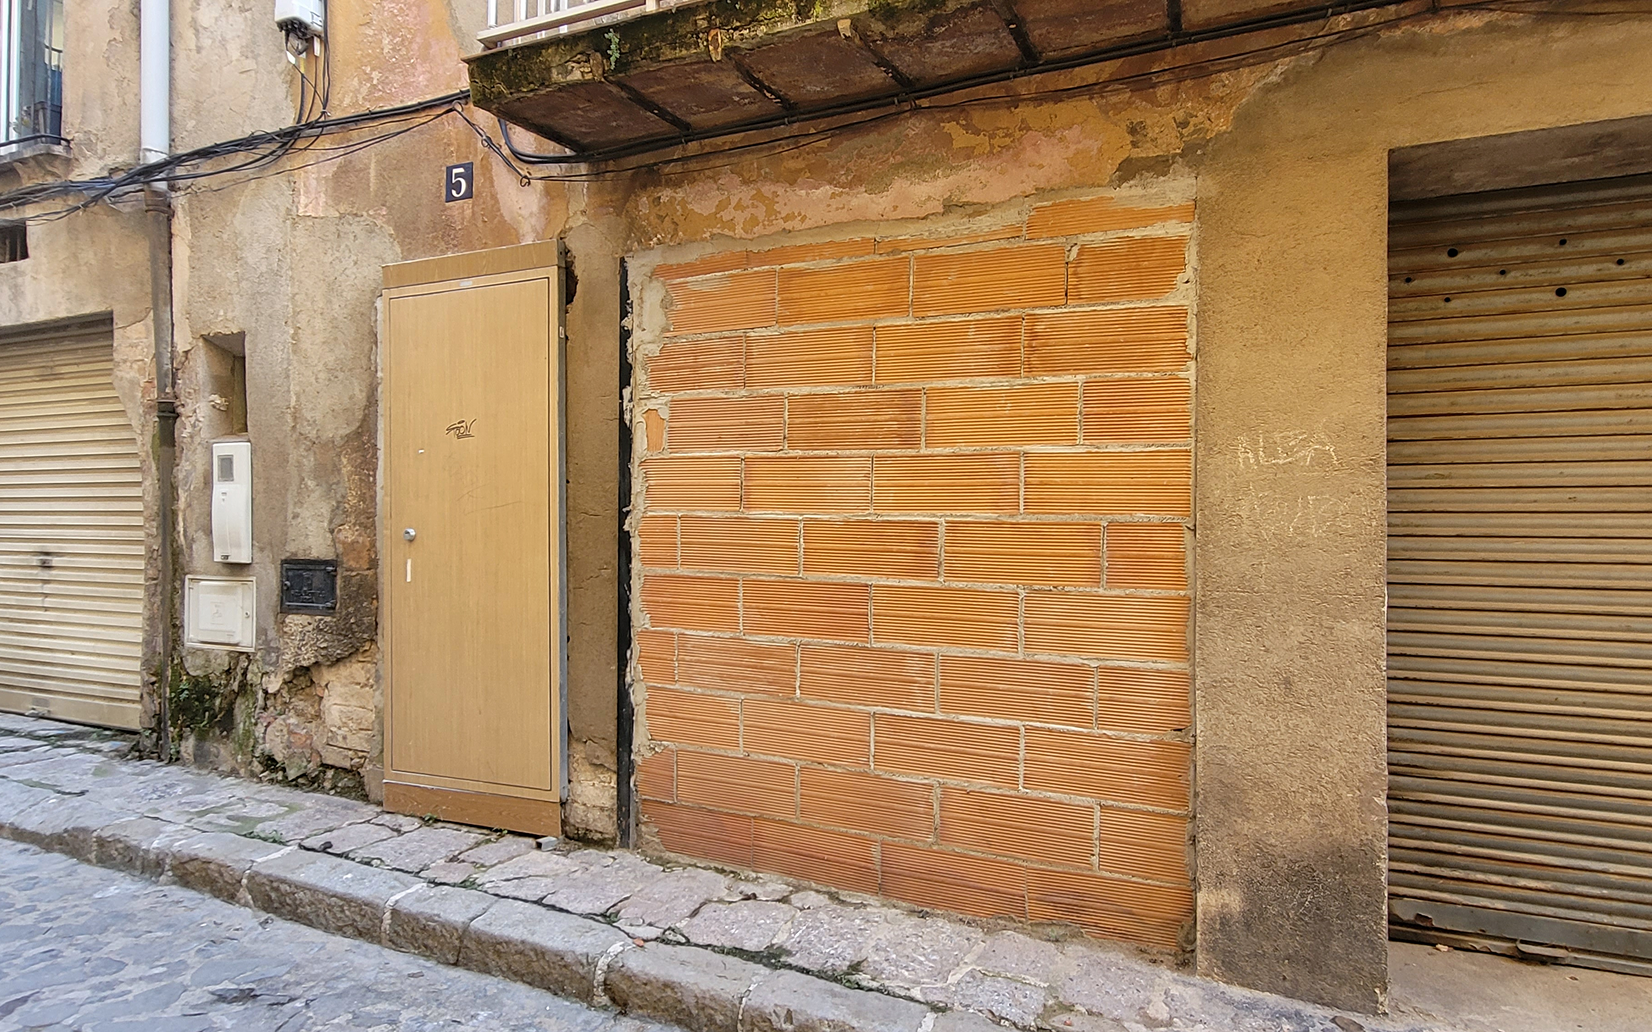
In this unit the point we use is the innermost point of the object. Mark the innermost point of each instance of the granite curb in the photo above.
(590, 961)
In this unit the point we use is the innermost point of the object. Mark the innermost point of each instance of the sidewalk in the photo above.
(697, 947)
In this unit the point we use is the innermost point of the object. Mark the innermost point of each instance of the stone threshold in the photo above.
(689, 945)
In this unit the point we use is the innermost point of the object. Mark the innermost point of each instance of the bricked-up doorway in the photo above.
(912, 543)
(472, 532)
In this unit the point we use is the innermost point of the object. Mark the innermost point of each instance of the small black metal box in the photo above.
(309, 586)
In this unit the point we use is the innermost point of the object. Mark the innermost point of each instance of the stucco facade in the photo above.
(1273, 148)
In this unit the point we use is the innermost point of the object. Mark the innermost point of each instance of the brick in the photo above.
(657, 776)
(883, 678)
(657, 541)
(951, 749)
(737, 665)
(1147, 555)
(1152, 915)
(984, 281)
(1057, 554)
(653, 431)
(1144, 845)
(657, 656)
(867, 802)
(861, 420)
(690, 718)
(1118, 340)
(1041, 830)
(733, 301)
(877, 288)
(737, 783)
(903, 244)
(1117, 770)
(1127, 269)
(1156, 483)
(697, 365)
(1099, 215)
(739, 544)
(951, 350)
(798, 254)
(710, 483)
(1143, 701)
(947, 483)
(726, 424)
(787, 483)
(1018, 689)
(806, 609)
(691, 603)
(1145, 410)
(1110, 626)
(941, 616)
(813, 854)
(872, 548)
(837, 357)
(952, 881)
(711, 264)
(1016, 416)
(718, 837)
(798, 731)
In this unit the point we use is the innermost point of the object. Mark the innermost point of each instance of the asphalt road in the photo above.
(89, 949)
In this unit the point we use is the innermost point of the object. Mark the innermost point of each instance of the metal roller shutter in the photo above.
(71, 532)
(1520, 570)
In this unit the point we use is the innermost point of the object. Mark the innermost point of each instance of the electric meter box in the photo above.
(218, 613)
(305, 17)
(232, 501)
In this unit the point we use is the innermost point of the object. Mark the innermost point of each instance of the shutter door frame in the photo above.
(1520, 571)
(73, 530)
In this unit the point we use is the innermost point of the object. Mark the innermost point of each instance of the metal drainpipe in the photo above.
(154, 143)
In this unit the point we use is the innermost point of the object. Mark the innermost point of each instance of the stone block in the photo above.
(431, 922)
(544, 948)
(1018, 1003)
(751, 926)
(605, 881)
(832, 938)
(214, 862)
(497, 852)
(418, 849)
(325, 892)
(695, 989)
(672, 897)
(964, 1021)
(348, 838)
(792, 1002)
(136, 846)
(15, 798)
(915, 951)
(62, 824)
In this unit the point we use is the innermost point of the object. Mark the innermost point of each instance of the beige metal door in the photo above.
(1520, 570)
(471, 527)
(71, 531)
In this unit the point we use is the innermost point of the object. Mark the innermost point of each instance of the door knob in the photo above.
(409, 534)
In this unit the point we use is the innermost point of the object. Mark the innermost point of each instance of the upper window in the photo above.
(31, 70)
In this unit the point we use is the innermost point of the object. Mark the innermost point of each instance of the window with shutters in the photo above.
(31, 71)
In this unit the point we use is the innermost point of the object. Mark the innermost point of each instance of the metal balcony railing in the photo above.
(520, 21)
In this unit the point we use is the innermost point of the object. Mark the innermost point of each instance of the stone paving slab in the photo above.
(683, 944)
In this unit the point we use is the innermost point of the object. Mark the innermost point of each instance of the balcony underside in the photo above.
(730, 65)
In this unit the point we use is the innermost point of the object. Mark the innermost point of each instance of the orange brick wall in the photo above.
(912, 537)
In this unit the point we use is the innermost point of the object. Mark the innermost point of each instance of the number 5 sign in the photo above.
(461, 182)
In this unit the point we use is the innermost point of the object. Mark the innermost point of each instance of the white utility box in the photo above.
(304, 17)
(218, 612)
(232, 501)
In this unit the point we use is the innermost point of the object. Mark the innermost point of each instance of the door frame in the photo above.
(496, 806)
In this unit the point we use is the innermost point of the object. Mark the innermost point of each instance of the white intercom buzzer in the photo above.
(232, 501)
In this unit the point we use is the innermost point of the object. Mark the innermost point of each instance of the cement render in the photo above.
(722, 958)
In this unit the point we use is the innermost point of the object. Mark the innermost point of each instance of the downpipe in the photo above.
(154, 143)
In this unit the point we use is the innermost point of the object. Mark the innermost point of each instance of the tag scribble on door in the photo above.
(462, 428)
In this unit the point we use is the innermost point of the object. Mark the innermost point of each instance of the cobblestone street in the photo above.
(88, 949)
